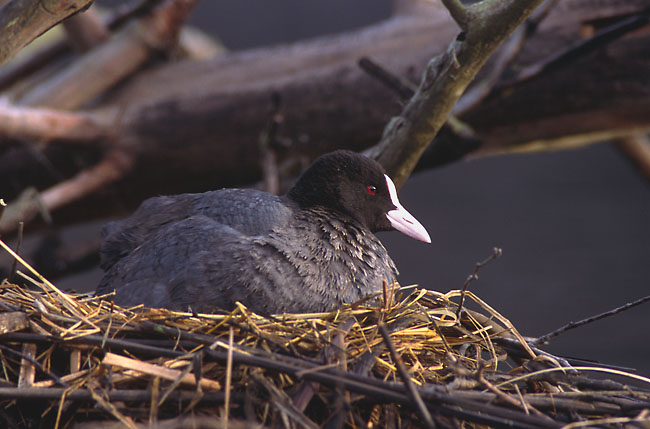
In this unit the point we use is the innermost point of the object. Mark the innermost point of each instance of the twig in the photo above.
(407, 136)
(505, 55)
(20, 68)
(36, 363)
(228, 386)
(637, 150)
(496, 253)
(403, 88)
(126, 395)
(86, 30)
(267, 142)
(68, 302)
(22, 21)
(505, 397)
(92, 74)
(113, 167)
(375, 388)
(422, 410)
(516, 349)
(458, 12)
(46, 124)
(579, 49)
(112, 409)
(155, 396)
(544, 339)
(19, 244)
(455, 138)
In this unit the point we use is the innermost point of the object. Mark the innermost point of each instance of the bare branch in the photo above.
(46, 124)
(581, 48)
(637, 149)
(413, 393)
(496, 254)
(22, 21)
(446, 77)
(458, 12)
(19, 69)
(86, 30)
(403, 88)
(103, 67)
(505, 55)
(544, 339)
(112, 168)
(268, 161)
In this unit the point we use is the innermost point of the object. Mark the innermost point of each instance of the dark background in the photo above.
(574, 226)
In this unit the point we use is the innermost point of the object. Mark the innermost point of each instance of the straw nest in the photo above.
(395, 360)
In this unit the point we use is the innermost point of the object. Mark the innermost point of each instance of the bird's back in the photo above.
(195, 251)
(248, 211)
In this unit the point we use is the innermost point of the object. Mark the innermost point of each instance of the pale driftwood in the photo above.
(135, 366)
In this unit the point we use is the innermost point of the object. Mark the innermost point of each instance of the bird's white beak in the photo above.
(402, 220)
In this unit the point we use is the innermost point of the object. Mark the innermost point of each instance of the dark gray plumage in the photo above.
(311, 250)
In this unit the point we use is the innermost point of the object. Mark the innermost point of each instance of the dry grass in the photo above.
(78, 361)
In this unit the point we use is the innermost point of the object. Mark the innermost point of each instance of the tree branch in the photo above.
(101, 68)
(86, 30)
(546, 338)
(446, 77)
(504, 57)
(458, 12)
(45, 124)
(113, 167)
(22, 21)
(637, 150)
(580, 49)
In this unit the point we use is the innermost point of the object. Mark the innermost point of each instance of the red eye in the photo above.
(371, 189)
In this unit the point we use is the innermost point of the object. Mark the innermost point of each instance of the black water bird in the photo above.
(310, 250)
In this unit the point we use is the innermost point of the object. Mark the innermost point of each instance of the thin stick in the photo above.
(507, 398)
(68, 302)
(19, 244)
(422, 410)
(458, 12)
(503, 59)
(496, 253)
(36, 363)
(228, 377)
(268, 139)
(544, 339)
(580, 49)
(637, 150)
(404, 89)
(3, 205)
(126, 395)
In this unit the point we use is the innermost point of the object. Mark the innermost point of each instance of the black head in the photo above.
(357, 186)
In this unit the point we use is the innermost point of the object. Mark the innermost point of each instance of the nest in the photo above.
(395, 360)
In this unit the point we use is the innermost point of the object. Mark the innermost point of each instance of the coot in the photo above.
(311, 250)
